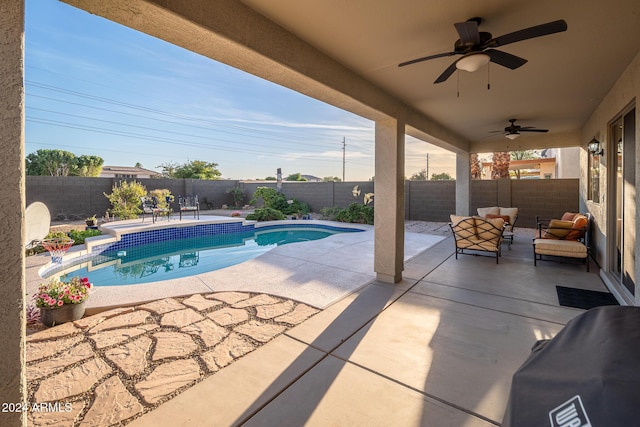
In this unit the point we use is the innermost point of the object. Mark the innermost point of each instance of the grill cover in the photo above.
(587, 375)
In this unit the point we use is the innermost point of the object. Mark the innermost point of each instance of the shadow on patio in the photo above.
(437, 349)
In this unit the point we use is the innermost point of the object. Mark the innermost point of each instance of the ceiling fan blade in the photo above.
(529, 33)
(468, 32)
(426, 58)
(447, 73)
(505, 59)
(533, 130)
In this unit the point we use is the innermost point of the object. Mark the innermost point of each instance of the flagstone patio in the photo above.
(119, 364)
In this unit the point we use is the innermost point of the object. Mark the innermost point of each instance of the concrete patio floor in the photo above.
(437, 349)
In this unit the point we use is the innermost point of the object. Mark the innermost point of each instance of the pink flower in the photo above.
(60, 303)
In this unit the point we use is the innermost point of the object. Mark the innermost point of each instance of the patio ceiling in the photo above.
(566, 77)
(346, 54)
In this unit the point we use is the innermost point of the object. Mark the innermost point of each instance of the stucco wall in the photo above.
(623, 94)
(12, 289)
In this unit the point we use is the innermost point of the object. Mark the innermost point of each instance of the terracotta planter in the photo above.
(59, 315)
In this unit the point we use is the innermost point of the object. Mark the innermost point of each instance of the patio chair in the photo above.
(150, 207)
(509, 215)
(477, 234)
(189, 203)
(567, 237)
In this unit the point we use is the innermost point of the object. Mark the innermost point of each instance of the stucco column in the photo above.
(389, 201)
(463, 183)
(12, 263)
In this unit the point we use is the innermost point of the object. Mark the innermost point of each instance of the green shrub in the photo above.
(125, 199)
(267, 194)
(330, 213)
(78, 236)
(278, 201)
(238, 196)
(266, 214)
(356, 213)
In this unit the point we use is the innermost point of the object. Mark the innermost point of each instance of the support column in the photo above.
(389, 201)
(463, 183)
(12, 262)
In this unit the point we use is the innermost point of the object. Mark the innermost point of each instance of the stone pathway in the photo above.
(110, 368)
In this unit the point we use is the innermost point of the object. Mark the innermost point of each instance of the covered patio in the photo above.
(434, 339)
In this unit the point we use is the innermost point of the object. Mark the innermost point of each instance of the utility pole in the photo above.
(427, 169)
(344, 153)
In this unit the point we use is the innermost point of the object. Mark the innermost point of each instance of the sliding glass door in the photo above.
(622, 207)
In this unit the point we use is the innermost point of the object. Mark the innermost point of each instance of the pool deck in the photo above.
(437, 349)
(317, 273)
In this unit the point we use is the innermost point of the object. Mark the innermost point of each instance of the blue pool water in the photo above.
(189, 256)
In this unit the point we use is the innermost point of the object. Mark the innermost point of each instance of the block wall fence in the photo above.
(80, 197)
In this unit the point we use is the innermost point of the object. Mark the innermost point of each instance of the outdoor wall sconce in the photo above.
(594, 148)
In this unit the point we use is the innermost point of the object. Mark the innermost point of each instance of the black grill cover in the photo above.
(587, 375)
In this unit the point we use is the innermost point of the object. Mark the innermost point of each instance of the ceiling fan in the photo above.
(476, 47)
(513, 130)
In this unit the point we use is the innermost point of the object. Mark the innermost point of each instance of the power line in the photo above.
(146, 109)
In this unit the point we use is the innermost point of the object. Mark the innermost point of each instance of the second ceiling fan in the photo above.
(477, 47)
(513, 130)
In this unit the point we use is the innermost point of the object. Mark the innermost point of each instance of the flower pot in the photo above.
(51, 316)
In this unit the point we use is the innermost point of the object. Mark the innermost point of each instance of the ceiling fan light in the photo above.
(472, 62)
(512, 136)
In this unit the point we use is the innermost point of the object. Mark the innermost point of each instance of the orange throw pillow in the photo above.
(579, 226)
(568, 216)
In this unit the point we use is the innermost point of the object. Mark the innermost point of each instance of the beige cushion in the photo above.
(566, 248)
(463, 226)
(510, 212)
(493, 210)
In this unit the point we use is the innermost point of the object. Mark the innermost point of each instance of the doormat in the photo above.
(584, 299)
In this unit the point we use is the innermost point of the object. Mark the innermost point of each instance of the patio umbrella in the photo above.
(587, 375)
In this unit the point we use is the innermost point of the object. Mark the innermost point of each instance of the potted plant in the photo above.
(61, 301)
(92, 221)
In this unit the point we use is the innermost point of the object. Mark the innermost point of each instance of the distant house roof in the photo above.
(311, 178)
(127, 172)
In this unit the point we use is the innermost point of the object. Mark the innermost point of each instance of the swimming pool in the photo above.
(182, 257)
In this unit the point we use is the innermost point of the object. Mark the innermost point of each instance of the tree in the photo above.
(331, 179)
(421, 175)
(295, 177)
(271, 178)
(89, 165)
(444, 176)
(523, 155)
(500, 165)
(196, 169)
(476, 167)
(138, 165)
(62, 163)
(125, 198)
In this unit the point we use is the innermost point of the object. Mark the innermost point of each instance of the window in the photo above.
(593, 178)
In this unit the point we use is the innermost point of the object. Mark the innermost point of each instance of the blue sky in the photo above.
(96, 87)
